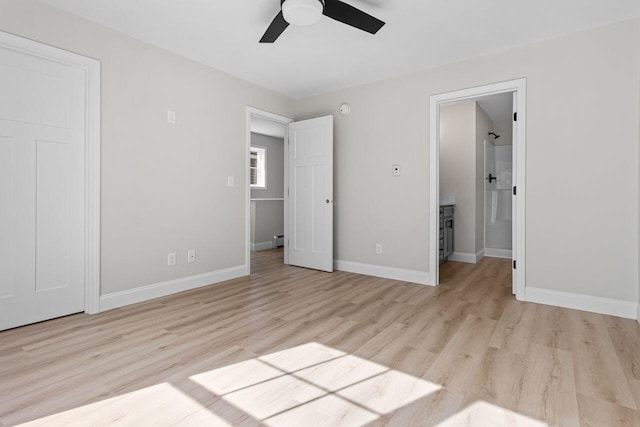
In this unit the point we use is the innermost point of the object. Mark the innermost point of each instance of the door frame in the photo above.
(91, 69)
(256, 112)
(519, 86)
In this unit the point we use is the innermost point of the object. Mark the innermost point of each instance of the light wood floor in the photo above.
(296, 347)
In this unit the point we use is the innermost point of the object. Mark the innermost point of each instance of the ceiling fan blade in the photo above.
(342, 12)
(278, 25)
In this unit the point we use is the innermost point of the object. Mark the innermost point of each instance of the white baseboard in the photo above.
(467, 257)
(498, 253)
(262, 246)
(413, 276)
(145, 293)
(612, 307)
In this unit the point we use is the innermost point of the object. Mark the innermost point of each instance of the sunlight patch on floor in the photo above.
(481, 414)
(313, 381)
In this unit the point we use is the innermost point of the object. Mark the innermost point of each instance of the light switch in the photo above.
(171, 117)
(191, 255)
(229, 181)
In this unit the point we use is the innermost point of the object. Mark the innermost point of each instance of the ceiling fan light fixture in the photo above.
(302, 13)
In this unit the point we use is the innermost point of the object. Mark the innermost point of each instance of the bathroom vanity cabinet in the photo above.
(446, 232)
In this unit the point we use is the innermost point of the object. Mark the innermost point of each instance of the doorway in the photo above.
(512, 182)
(267, 201)
(308, 191)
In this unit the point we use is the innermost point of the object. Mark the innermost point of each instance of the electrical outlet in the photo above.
(191, 255)
(229, 181)
(396, 170)
(171, 117)
(378, 248)
(171, 259)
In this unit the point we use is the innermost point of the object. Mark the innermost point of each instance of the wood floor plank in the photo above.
(626, 344)
(597, 367)
(515, 327)
(597, 413)
(634, 386)
(498, 379)
(463, 355)
(548, 390)
(290, 346)
(552, 327)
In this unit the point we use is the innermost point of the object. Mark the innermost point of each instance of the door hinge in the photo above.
(515, 190)
(515, 117)
(514, 264)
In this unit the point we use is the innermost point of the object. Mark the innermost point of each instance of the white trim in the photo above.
(157, 290)
(467, 257)
(498, 253)
(251, 111)
(519, 86)
(261, 246)
(91, 69)
(612, 307)
(275, 199)
(638, 312)
(420, 277)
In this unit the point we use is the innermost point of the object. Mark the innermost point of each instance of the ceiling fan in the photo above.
(309, 12)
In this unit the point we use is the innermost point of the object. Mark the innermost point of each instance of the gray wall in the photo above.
(463, 130)
(275, 166)
(582, 90)
(267, 216)
(504, 128)
(458, 170)
(164, 187)
(267, 219)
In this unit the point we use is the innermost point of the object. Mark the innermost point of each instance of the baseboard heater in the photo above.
(278, 241)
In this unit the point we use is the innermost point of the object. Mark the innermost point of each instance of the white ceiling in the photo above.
(328, 56)
(267, 127)
(499, 107)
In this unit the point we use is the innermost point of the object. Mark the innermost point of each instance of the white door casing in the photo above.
(310, 175)
(519, 88)
(49, 241)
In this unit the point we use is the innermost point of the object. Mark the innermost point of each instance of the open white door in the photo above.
(514, 204)
(311, 193)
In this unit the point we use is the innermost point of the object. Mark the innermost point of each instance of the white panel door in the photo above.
(311, 193)
(514, 203)
(42, 162)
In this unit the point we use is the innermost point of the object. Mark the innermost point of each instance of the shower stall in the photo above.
(498, 199)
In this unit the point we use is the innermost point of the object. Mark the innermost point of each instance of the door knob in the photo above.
(327, 201)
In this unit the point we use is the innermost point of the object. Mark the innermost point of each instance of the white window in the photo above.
(258, 167)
